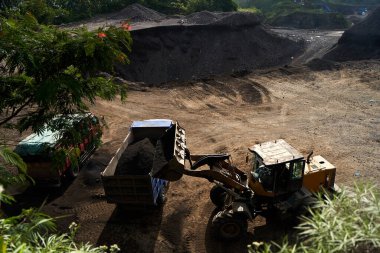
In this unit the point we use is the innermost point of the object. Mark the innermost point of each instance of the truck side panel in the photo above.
(133, 191)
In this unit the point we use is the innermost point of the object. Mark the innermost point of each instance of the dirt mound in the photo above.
(362, 41)
(201, 18)
(235, 42)
(237, 19)
(222, 18)
(137, 159)
(138, 13)
(306, 20)
(322, 64)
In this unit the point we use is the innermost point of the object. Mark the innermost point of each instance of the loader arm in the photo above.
(213, 175)
(171, 155)
(220, 170)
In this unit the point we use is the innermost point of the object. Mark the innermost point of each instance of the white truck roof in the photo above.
(277, 151)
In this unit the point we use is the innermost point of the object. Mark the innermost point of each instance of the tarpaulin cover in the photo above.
(36, 144)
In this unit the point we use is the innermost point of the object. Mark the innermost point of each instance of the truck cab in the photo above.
(278, 169)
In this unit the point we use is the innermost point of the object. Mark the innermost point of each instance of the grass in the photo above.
(348, 222)
(251, 10)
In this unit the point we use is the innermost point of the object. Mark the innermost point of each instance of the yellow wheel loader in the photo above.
(280, 179)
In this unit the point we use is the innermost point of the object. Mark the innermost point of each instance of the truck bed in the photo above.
(135, 191)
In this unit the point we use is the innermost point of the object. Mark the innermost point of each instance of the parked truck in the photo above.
(51, 154)
(136, 189)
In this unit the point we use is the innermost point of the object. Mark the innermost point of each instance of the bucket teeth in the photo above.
(169, 159)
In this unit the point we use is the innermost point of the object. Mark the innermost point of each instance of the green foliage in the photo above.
(43, 12)
(357, 2)
(10, 158)
(63, 11)
(31, 232)
(47, 71)
(251, 9)
(51, 71)
(348, 222)
(211, 5)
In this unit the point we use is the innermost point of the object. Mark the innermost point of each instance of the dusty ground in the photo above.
(335, 113)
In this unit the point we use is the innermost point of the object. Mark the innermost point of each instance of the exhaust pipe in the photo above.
(308, 157)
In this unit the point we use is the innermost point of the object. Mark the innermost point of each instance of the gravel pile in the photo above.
(237, 19)
(139, 13)
(234, 42)
(222, 18)
(360, 42)
(137, 159)
(201, 18)
(306, 20)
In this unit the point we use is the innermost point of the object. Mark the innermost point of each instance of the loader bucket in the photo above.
(169, 157)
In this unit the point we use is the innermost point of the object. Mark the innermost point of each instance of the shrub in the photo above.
(31, 231)
(347, 222)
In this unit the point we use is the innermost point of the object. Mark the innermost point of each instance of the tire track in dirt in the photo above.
(219, 95)
(335, 113)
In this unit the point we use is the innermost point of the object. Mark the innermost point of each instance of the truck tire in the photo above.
(228, 226)
(218, 196)
(161, 198)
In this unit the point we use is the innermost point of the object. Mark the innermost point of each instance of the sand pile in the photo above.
(137, 159)
(139, 13)
(233, 42)
(362, 41)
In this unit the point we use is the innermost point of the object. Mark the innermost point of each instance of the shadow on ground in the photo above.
(132, 231)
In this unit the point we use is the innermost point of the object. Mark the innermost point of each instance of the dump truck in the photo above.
(281, 181)
(129, 183)
(51, 154)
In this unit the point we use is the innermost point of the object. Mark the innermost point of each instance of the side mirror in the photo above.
(247, 159)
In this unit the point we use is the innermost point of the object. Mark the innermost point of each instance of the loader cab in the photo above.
(277, 169)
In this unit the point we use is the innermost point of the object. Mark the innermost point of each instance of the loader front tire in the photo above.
(218, 196)
(228, 226)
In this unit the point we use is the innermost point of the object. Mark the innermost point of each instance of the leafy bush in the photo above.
(63, 11)
(42, 11)
(348, 222)
(31, 232)
(54, 71)
(211, 5)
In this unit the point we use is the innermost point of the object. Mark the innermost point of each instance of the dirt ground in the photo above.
(335, 113)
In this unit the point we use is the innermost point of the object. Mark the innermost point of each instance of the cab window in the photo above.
(297, 170)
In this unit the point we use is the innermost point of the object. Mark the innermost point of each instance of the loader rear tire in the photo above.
(218, 196)
(229, 226)
(303, 208)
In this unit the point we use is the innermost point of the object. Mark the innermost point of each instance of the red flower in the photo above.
(102, 35)
(126, 26)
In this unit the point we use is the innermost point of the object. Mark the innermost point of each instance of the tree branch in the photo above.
(14, 113)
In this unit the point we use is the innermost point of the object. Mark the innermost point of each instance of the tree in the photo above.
(47, 71)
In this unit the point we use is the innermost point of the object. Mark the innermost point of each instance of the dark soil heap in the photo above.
(137, 159)
(216, 43)
(360, 42)
(138, 13)
(203, 17)
(307, 20)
